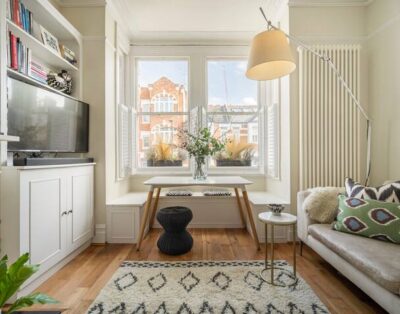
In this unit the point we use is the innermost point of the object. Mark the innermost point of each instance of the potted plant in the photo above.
(200, 146)
(235, 154)
(164, 155)
(11, 279)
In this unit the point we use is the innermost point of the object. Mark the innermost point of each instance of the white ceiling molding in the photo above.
(81, 3)
(329, 3)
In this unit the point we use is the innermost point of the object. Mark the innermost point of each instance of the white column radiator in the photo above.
(330, 143)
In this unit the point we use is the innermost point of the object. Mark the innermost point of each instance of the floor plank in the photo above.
(78, 283)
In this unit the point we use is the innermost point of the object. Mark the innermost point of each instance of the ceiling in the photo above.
(195, 20)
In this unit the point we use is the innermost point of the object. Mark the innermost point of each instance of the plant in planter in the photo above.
(235, 154)
(200, 146)
(12, 277)
(164, 155)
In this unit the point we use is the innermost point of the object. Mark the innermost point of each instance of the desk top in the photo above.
(174, 181)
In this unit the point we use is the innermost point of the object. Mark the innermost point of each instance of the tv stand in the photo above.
(43, 161)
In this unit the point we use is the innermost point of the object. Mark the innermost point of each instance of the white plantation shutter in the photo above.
(273, 162)
(124, 141)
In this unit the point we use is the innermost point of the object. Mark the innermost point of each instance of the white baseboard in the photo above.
(99, 234)
(38, 281)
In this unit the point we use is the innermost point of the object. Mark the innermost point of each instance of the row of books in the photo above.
(20, 15)
(19, 58)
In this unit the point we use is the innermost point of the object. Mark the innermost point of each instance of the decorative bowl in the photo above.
(276, 209)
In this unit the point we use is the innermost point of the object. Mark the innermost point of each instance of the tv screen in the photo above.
(46, 121)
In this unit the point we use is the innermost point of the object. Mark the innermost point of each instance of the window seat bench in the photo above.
(124, 213)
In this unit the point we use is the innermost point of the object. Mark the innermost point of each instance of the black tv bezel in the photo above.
(53, 151)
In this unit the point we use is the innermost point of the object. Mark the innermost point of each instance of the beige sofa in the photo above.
(372, 265)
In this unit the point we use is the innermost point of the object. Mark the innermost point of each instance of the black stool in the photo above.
(175, 239)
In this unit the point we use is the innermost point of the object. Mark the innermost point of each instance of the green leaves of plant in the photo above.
(11, 279)
(29, 300)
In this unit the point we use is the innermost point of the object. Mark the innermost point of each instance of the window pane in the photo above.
(158, 141)
(241, 134)
(162, 85)
(228, 88)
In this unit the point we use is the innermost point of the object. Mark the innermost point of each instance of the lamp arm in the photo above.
(346, 86)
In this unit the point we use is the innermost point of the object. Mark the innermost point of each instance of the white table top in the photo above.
(283, 219)
(175, 181)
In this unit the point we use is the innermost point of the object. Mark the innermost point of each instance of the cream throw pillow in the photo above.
(322, 204)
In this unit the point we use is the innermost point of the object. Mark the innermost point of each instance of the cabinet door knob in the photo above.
(64, 213)
(70, 212)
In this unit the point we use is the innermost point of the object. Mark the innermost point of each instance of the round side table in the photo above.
(284, 219)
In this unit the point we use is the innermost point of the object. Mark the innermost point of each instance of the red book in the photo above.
(14, 57)
(17, 17)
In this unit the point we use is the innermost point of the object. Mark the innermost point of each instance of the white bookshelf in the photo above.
(46, 15)
(51, 58)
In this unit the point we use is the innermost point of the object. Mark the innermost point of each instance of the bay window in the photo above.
(181, 87)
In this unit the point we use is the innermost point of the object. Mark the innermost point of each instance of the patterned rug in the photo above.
(204, 287)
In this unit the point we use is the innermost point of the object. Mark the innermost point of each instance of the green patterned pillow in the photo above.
(369, 218)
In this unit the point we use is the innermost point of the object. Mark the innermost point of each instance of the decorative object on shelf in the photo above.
(276, 209)
(50, 41)
(200, 146)
(235, 154)
(271, 58)
(61, 81)
(11, 279)
(165, 155)
(68, 54)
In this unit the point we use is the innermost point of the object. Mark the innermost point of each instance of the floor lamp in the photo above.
(271, 58)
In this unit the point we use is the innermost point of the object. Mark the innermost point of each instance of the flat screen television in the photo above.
(46, 121)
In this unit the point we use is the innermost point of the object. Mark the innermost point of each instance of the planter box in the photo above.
(233, 163)
(164, 163)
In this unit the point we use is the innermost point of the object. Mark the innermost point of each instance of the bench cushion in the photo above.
(378, 260)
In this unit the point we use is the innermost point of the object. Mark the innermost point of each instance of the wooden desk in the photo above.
(157, 183)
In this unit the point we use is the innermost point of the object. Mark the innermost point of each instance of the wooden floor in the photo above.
(78, 283)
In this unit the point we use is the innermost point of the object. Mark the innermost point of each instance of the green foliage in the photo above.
(11, 278)
(202, 144)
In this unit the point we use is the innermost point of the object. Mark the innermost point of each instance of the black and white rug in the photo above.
(204, 287)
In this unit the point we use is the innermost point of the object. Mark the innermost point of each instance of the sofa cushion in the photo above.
(322, 204)
(369, 218)
(378, 260)
(389, 192)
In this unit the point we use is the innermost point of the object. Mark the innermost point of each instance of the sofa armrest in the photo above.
(303, 220)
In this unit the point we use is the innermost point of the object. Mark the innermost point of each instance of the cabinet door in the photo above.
(80, 215)
(46, 201)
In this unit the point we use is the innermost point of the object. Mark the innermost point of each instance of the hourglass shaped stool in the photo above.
(175, 239)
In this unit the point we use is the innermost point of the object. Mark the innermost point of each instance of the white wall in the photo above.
(99, 27)
(383, 44)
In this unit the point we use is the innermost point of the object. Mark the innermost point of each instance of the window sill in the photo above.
(187, 172)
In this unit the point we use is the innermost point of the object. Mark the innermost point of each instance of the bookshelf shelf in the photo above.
(8, 138)
(22, 77)
(52, 58)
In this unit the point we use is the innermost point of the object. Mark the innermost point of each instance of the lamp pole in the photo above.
(339, 76)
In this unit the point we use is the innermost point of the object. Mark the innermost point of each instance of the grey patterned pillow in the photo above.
(386, 193)
(179, 193)
(217, 192)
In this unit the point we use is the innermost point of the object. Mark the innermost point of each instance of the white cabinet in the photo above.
(46, 211)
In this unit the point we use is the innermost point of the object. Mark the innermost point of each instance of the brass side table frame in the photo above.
(283, 220)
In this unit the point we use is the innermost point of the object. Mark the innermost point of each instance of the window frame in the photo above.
(261, 103)
(197, 92)
(140, 114)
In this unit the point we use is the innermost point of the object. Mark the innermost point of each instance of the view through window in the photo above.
(233, 112)
(162, 106)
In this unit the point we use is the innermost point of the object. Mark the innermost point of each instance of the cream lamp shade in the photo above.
(270, 56)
